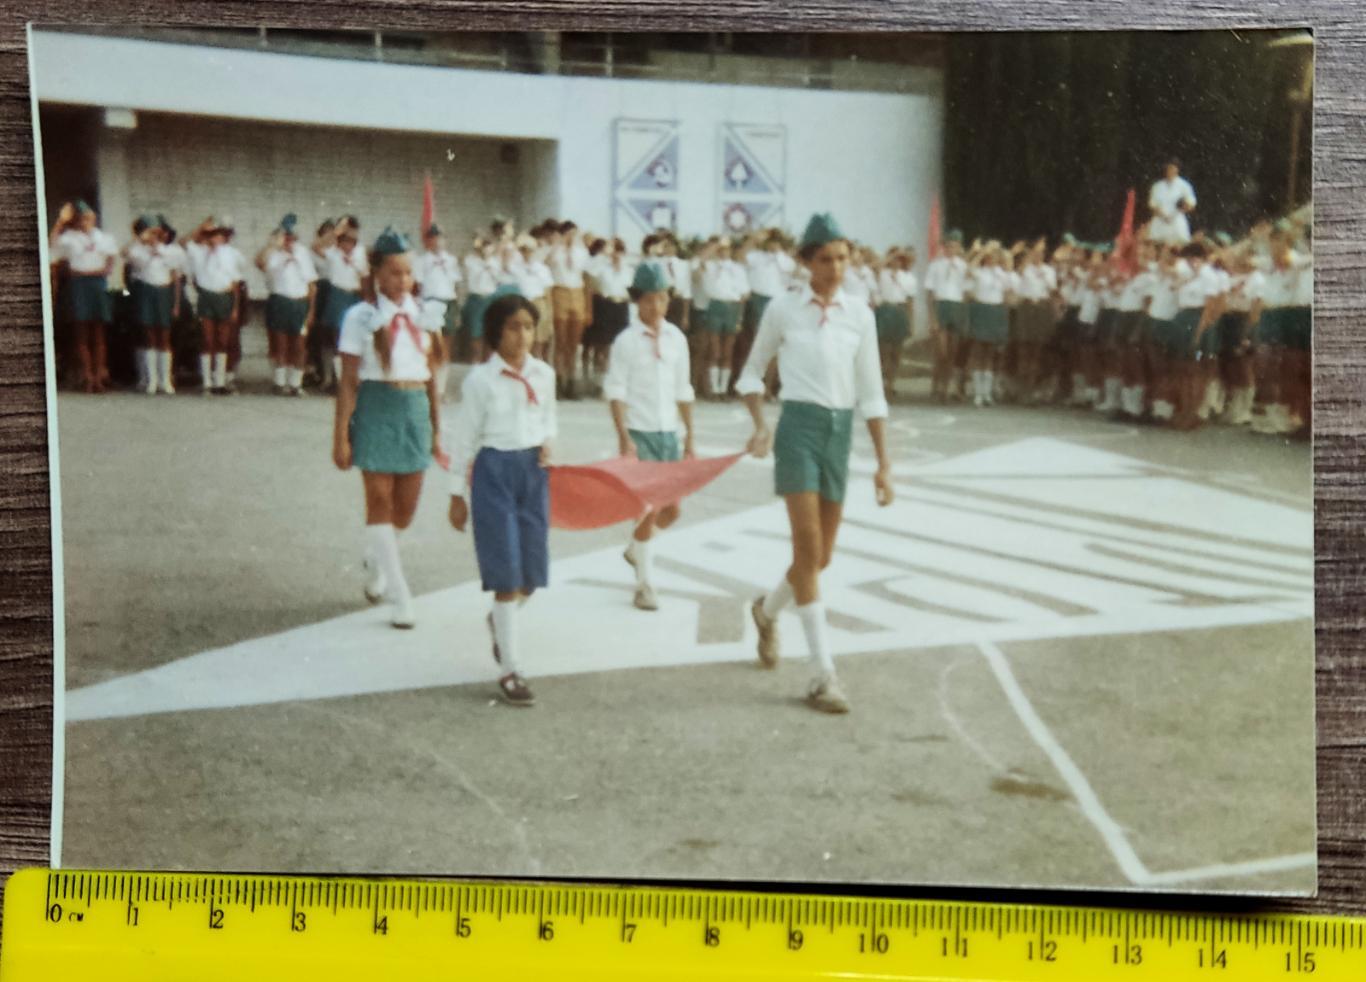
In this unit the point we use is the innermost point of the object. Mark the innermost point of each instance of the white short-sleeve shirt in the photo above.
(86, 253)
(1038, 281)
(155, 265)
(1169, 223)
(947, 278)
(408, 346)
(216, 268)
(1195, 288)
(290, 271)
(345, 270)
(437, 273)
(988, 284)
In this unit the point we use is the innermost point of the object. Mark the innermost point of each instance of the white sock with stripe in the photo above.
(817, 639)
(643, 554)
(505, 635)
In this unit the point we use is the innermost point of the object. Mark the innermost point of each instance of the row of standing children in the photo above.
(1176, 334)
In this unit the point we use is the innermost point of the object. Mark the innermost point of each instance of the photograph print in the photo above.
(806, 458)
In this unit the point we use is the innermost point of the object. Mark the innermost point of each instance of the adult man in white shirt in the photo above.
(649, 389)
(826, 346)
(1170, 200)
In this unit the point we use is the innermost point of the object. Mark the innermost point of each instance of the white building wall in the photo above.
(871, 158)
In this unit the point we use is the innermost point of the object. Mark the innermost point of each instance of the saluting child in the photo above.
(568, 261)
(892, 316)
(500, 452)
(1199, 297)
(438, 276)
(988, 319)
(347, 272)
(534, 280)
(1247, 285)
(217, 269)
(649, 388)
(86, 254)
(290, 310)
(725, 284)
(387, 420)
(157, 271)
(482, 271)
(946, 282)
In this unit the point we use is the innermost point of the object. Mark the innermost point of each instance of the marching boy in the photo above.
(649, 388)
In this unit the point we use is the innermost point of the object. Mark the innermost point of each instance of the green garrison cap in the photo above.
(288, 223)
(433, 229)
(391, 243)
(955, 235)
(1223, 238)
(821, 230)
(82, 207)
(650, 278)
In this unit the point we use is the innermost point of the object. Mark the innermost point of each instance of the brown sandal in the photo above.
(515, 690)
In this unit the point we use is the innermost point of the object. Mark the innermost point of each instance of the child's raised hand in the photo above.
(459, 513)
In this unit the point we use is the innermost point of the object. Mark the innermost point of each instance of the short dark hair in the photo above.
(807, 252)
(597, 246)
(498, 312)
(1194, 250)
(568, 227)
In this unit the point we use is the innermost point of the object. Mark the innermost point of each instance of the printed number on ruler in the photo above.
(163, 927)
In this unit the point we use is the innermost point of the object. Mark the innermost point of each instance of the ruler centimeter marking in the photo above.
(155, 927)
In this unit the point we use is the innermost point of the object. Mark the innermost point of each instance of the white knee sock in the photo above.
(140, 362)
(164, 369)
(381, 542)
(149, 367)
(643, 554)
(714, 377)
(778, 598)
(817, 641)
(725, 379)
(206, 371)
(220, 370)
(296, 378)
(505, 634)
(280, 376)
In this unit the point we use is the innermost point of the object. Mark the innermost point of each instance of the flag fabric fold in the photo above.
(593, 496)
(428, 205)
(1126, 244)
(934, 234)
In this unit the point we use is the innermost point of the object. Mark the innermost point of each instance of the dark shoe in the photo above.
(515, 691)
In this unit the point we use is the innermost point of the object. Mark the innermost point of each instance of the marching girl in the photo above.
(649, 389)
(1199, 296)
(347, 272)
(988, 319)
(157, 298)
(826, 346)
(290, 308)
(892, 317)
(482, 272)
(216, 267)
(388, 415)
(1035, 321)
(568, 261)
(501, 449)
(86, 253)
(725, 284)
(437, 273)
(946, 283)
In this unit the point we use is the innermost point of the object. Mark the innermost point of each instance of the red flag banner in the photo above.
(428, 205)
(934, 234)
(594, 496)
(1126, 244)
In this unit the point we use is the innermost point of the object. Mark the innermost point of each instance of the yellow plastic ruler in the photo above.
(171, 927)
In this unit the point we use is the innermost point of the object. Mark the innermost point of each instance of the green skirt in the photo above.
(391, 429)
(952, 315)
(214, 306)
(152, 305)
(989, 323)
(1292, 327)
(285, 315)
(811, 450)
(723, 317)
(87, 299)
(472, 315)
(336, 305)
(662, 445)
(893, 324)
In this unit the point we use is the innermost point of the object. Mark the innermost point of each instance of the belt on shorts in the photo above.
(405, 385)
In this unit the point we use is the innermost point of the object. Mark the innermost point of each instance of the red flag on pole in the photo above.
(934, 234)
(428, 204)
(1126, 245)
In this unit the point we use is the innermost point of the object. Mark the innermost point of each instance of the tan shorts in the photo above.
(569, 302)
(545, 323)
